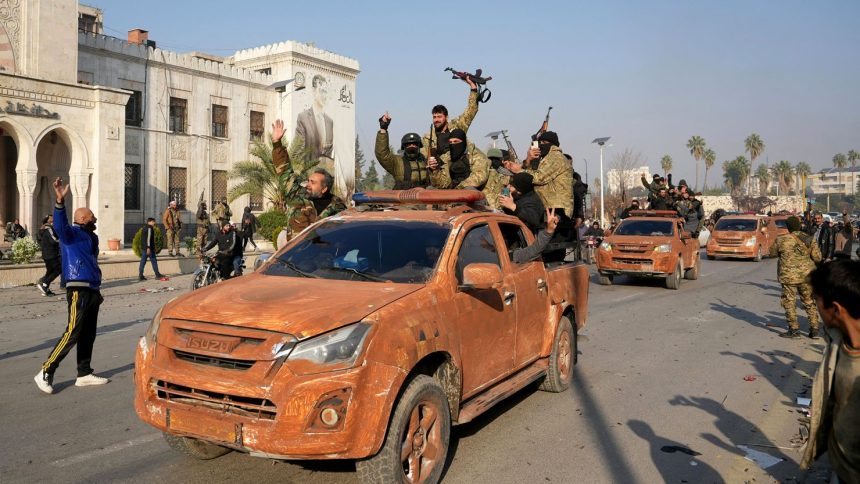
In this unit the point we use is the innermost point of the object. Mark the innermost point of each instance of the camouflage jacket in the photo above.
(398, 166)
(553, 181)
(493, 189)
(463, 122)
(479, 166)
(222, 212)
(798, 256)
(303, 213)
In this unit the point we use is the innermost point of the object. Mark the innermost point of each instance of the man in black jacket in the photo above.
(148, 250)
(662, 201)
(227, 241)
(50, 244)
(822, 234)
(580, 191)
(524, 202)
(634, 205)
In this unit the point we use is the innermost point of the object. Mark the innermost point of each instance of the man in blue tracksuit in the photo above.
(80, 248)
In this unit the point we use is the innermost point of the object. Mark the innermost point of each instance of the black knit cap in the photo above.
(457, 133)
(550, 136)
(522, 181)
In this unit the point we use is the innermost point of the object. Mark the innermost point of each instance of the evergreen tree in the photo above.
(371, 178)
(387, 181)
(359, 166)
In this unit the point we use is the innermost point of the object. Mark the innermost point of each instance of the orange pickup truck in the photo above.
(366, 337)
(650, 243)
(742, 236)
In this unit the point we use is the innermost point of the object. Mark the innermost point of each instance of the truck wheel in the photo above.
(712, 257)
(604, 280)
(194, 447)
(416, 445)
(758, 255)
(693, 273)
(561, 359)
(674, 280)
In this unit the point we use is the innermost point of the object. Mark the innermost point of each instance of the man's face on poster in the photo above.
(321, 93)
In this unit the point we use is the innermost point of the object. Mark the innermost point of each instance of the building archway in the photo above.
(15, 146)
(53, 159)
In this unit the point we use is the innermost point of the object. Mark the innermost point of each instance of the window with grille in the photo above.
(258, 125)
(266, 70)
(178, 183)
(219, 186)
(132, 187)
(87, 23)
(178, 109)
(256, 202)
(219, 121)
(134, 109)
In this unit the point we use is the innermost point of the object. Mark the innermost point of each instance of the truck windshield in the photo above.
(378, 251)
(644, 227)
(736, 224)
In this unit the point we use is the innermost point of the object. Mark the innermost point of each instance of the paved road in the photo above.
(657, 368)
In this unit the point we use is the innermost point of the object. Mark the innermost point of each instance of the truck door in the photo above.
(486, 318)
(532, 296)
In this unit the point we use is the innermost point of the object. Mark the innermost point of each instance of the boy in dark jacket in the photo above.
(50, 244)
(148, 250)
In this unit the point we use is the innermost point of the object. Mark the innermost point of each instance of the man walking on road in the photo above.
(80, 247)
(173, 227)
(798, 254)
(50, 254)
(148, 250)
(836, 386)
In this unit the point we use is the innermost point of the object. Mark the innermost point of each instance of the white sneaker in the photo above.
(44, 381)
(91, 379)
(41, 288)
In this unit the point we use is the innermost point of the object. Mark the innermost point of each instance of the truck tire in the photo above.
(561, 359)
(674, 280)
(757, 257)
(604, 280)
(195, 448)
(693, 273)
(712, 257)
(421, 421)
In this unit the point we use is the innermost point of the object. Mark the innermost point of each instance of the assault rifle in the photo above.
(512, 153)
(484, 94)
(543, 127)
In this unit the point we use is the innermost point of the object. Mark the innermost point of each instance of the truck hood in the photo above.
(734, 234)
(640, 240)
(299, 306)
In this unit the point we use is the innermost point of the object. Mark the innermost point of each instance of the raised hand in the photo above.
(551, 221)
(384, 121)
(277, 130)
(60, 190)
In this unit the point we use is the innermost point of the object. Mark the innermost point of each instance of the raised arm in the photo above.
(465, 120)
(61, 222)
(388, 160)
(280, 155)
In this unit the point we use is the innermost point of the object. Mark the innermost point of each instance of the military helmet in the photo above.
(494, 153)
(411, 138)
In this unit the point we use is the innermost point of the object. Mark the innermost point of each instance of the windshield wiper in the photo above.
(369, 277)
(292, 267)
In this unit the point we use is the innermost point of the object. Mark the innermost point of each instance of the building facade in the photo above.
(133, 126)
(618, 181)
(831, 181)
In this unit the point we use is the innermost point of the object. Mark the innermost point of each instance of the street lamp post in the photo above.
(281, 88)
(601, 142)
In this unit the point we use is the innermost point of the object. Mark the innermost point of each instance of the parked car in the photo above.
(649, 243)
(366, 337)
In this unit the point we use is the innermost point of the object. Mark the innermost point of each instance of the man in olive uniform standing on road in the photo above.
(410, 169)
(798, 254)
(173, 227)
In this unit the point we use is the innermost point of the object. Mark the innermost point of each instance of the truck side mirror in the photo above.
(481, 275)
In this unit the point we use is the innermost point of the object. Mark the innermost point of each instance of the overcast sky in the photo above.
(649, 74)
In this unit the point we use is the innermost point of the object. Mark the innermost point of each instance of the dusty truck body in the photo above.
(366, 337)
(742, 236)
(650, 243)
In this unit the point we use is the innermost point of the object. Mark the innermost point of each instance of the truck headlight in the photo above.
(334, 350)
(750, 242)
(152, 331)
(605, 246)
(663, 249)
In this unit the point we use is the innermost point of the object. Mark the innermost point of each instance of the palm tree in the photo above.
(736, 173)
(802, 170)
(696, 144)
(710, 157)
(853, 156)
(259, 177)
(840, 161)
(763, 175)
(754, 146)
(666, 164)
(783, 172)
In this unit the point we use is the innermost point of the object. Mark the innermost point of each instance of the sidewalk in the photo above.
(117, 264)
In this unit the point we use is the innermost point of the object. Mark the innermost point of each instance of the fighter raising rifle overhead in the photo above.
(436, 141)
(484, 94)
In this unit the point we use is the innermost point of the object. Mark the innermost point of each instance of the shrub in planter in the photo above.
(24, 250)
(190, 244)
(271, 223)
(159, 241)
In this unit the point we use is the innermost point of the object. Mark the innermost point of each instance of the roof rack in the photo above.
(654, 213)
(406, 199)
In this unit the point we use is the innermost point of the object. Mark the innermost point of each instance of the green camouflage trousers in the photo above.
(172, 242)
(789, 303)
(202, 235)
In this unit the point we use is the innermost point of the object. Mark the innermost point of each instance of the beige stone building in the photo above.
(133, 126)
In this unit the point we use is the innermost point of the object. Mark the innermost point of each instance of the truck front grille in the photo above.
(233, 404)
(218, 361)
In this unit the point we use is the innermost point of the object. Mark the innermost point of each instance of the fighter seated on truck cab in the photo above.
(649, 243)
(366, 337)
(747, 236)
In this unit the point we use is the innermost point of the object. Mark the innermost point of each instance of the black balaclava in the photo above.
(550, 136)
(523, 182)
(459, 149)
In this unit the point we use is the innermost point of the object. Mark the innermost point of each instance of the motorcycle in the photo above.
(591, 244)
(208, 273)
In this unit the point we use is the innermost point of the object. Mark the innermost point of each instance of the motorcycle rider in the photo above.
(226, 240)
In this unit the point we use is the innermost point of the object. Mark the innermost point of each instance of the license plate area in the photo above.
(202, 425)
